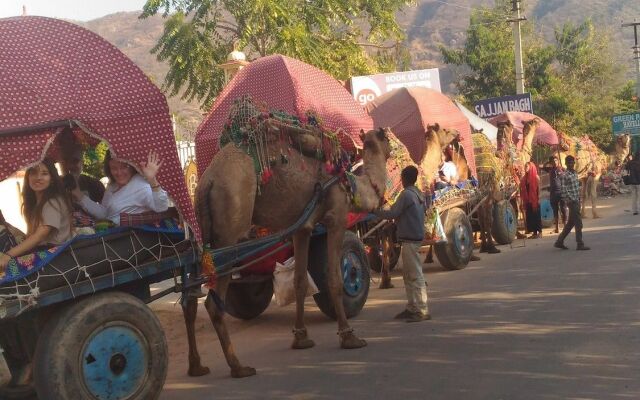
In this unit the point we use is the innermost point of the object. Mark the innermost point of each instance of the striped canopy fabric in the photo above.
(53, 71)
(289, 85)
(408, 111)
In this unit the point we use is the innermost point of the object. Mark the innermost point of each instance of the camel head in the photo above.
(530, 126)
(563, 142)
(623, 141)
(443, 136)
(376, 141)
(505, 133)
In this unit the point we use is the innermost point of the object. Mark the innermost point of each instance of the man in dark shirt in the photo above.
(570, 189)
(555, 196)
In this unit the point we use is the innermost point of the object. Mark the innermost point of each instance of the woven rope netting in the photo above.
(102, 259)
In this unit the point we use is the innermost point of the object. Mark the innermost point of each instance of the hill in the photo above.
(428, 24)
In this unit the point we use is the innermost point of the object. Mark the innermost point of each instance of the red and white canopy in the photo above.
(290, 85)
(408, 111)
(53, 70)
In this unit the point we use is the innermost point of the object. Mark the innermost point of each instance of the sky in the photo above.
(79, 10)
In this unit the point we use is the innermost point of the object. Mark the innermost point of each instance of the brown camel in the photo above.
(622, 148)
(460, 160)
(528, 133)
(228, 203)
(589, 166)
(437, 139)
(491, 172)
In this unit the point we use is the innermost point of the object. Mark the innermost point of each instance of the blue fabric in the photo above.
(23, 266)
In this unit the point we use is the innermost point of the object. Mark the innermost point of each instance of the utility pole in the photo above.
(636, 54)
(518, 46)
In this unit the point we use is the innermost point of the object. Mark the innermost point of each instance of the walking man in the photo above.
(408, 212)
(634, 180)
(570, 189)
(555, 195)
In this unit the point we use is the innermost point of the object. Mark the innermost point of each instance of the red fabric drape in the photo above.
(529, 190)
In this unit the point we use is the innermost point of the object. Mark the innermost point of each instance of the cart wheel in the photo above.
(17, 393)
(107, 346)
(546, 213)
(247, 300)
(355, 274)
(456, 253)
(505, 224)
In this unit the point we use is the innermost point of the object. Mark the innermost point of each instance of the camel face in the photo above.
(623, 140)
(505, 133)
(444, 136)
(377, 141)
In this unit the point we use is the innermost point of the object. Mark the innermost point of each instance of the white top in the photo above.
(133, 198)
(449, 170)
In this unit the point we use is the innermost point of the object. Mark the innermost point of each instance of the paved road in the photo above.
(530, 323)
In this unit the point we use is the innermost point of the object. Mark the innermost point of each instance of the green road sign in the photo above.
(626, 123)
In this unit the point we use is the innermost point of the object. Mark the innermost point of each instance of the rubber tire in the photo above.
(247, 300)
(318, 270)
(502, 233)
(57, 371)
(449, 255)
(546, 213)
(24, 393)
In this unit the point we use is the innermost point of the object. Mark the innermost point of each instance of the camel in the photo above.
(228, 202)
(589, 167)
(459, 158)
(528, 133)
(491, 171)
(622, 148)
(437, 139)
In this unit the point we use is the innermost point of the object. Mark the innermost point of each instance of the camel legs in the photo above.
(335, 236)
(301, 241)
(190, 310)
(387, 246)
(486, 224)
(216, 314)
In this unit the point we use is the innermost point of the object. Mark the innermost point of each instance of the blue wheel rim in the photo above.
(509, 220)
(462, 239)
(351, 273)
(115, 362)
(546, 212)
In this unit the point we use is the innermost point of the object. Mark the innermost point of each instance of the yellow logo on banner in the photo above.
(191, 178)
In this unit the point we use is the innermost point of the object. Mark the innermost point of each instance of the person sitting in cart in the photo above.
(448, 173)
(46, 209)
(71, 163)
(408, 212)
(127, 192)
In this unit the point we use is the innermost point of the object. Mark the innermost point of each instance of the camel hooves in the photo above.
(302, 343)
(242, 372)
(351, 341)
(198, 370)
(386, 285)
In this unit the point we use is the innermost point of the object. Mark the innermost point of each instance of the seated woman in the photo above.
(448, 173)
(128, 191)
(47, 210)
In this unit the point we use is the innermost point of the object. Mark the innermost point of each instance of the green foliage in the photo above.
(93, 160)
(199, 34)
(575, 83)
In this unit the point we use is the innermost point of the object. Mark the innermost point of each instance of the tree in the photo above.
(330, 34)
(575, 83)
(487, 58)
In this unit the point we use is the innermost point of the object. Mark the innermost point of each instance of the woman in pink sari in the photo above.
(530, 195)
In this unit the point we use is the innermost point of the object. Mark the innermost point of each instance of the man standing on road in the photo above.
(570, 189)
(408, 212)
(555, 195)
(634, 180)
